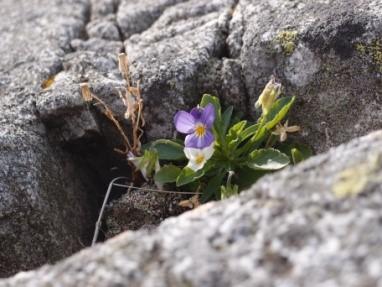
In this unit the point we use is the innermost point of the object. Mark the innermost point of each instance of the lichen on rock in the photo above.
(287, 40)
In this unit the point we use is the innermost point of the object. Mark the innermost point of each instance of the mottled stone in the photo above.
(311, 47)
(98, 45)
(325, 52)
(174, 59)
(135, 17)
(103, 8)
(45, 210)
(104, 28)
(289, 229)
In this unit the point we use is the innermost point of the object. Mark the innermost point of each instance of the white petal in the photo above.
(143, 170)
(136, 161)
(195, 166)
(208, 151)
(191, 153)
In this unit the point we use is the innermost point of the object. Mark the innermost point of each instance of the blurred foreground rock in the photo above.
(309, 225)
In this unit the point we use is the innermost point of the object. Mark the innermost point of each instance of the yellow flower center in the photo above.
(200, 130)
(199, 159)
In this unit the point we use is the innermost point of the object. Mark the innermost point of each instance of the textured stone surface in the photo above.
(44, 205)
(319, 51)
(290, 229)
(327, 53)
(177, 56)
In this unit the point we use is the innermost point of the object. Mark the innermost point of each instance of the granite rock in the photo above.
(45, 207)
(327, 53)
(324, 52)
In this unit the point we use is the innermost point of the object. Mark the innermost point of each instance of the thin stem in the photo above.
(99, 221)
(271, 141)
(229, 178)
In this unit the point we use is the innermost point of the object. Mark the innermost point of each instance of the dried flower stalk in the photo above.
(133, 101)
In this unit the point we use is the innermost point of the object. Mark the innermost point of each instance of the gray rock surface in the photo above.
(327, 53)
(289, 229)
(45, 210)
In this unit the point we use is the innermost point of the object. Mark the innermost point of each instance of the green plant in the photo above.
(221, 155)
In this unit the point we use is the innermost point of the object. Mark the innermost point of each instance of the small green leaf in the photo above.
(246, 176)
(304, 150)
(300, 153)
(253, 143)
(217, 128)
(267, 159)
(235, 130)
(169, 150)
(212, 188)
(208, 99)
(226, 119)
(296, 151)
(249, 131)
(277, 112)
(296, 156)
(229, 190)
(167, 174)
(187, 175)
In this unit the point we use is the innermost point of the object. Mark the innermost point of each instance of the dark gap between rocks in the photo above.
(94, 154)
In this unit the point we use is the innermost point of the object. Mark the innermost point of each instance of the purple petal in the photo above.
(196, 113)
(208, 115)
(184, 122)
(194, 141)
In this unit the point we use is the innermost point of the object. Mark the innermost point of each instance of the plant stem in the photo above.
(99, 221)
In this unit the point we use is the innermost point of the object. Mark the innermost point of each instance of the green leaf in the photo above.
(147, 163)
(267, 159)
(235, 130)
(253, 143)
(167, 174)
(226, 119)
(217, 129)
(277, 112)
(296, 151)
(187, 175)
(229, 190)
(300, 153)
(213, 188)
(169, 150)
(246, 176)
(249, 131)
(208, 99)
(296, 156)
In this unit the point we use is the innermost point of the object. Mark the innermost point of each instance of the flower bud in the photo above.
(269, 95)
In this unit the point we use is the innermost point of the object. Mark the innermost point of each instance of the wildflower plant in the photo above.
(220, 155)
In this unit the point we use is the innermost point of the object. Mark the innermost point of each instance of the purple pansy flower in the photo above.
(197, 125)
